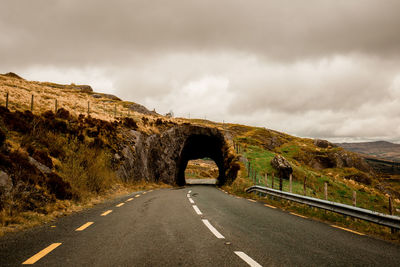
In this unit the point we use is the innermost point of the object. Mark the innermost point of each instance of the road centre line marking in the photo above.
(298, 215)
(106, 213)
(191, 200)
(151, 190)
(188, 195)
(190, 191)
(129, 199)
(83, 227)
(120, 205)
(348, 230)
(251, 200)
(247, 259)
(212, 229)
(197, 210)
(269, 206)
(137, 196)
(41, 254)
(144, 193)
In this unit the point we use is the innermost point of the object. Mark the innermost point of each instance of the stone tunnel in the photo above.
(164, 157)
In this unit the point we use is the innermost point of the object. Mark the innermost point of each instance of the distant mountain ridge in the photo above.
(378, 149)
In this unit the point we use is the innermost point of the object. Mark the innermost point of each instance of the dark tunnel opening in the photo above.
(198, 147)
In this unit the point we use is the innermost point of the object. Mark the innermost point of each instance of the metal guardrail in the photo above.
(359, 213)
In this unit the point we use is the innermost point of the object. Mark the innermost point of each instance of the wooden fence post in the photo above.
(390, 206)
(290, 182)
(56, 107)
(304, 185)
(266, 179)
(354, 198)
(273, 178)
(326, 190)
(280, 183)
(88, 108)
(7, 100)
(32, 103)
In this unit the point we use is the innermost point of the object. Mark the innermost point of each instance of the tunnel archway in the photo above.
(164, 157)
(198, 147)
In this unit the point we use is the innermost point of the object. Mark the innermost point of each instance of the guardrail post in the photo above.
(266, 179)
(290, 182)
(32, 103)
(326, 190)
(280, 183)
(304, 185)
(88, 108)
(55, 107)
(354, 198)
(7, 100)
(392, 230)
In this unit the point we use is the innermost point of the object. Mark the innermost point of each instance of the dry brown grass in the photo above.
(29, 219)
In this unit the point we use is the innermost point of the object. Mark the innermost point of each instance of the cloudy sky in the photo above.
(312, 68)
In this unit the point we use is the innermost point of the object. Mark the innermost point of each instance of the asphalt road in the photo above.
(206, 227)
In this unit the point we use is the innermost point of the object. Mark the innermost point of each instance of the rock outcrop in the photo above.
(282, 166)
(164, 157)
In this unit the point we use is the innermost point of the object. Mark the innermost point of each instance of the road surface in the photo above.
(191, 226)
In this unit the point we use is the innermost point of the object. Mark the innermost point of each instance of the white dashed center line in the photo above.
(212, 229)
(247, 259)
(190, 191)
(197, 210)
(191, 200)
(188, 195)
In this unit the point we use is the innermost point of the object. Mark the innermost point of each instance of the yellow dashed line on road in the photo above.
(120, 205)
(41, 254)
(251, 200)
(106, 213)
(144, 193)
(348, 230)
(269, 206)
(129, 199)
(137, 196)
(298, 215)
(83, 227)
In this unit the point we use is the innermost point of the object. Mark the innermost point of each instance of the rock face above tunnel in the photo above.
(164, 157)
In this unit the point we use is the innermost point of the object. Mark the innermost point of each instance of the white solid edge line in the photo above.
(197, 210)
(247, 259)
(212, 229)
(191, 200)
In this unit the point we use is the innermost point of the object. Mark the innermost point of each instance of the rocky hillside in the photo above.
(85, 144)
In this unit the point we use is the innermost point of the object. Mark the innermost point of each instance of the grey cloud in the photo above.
(312, 68)
(103, 31)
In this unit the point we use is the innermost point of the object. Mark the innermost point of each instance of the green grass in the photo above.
(338, 191)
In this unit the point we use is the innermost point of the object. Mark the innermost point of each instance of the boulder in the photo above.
(282, 166)
(43, 168)
(5, 182)
(321, 143)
